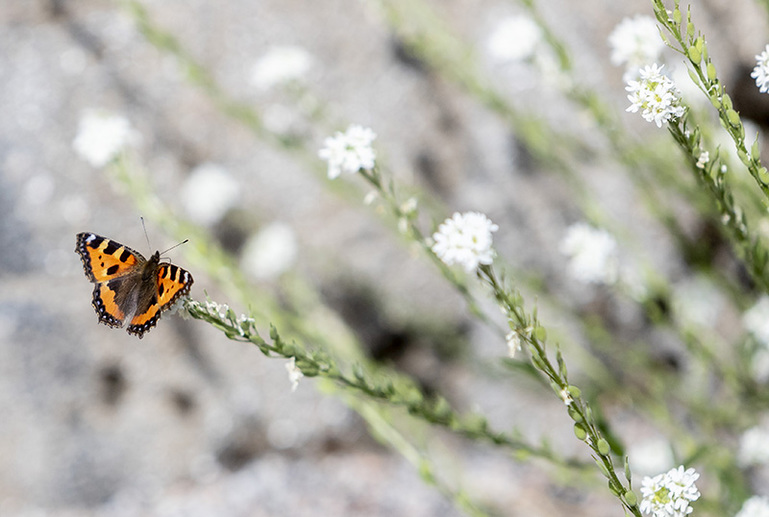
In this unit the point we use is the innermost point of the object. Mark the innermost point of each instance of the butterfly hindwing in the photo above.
(106, 306)
(172, 282)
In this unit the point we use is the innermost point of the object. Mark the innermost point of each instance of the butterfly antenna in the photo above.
(149, 246)
(175, 246)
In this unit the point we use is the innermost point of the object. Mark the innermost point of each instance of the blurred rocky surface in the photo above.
(94, 422)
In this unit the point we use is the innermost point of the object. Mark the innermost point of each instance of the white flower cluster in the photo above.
(281, 65)
(635, 42)
(669, 494)
(208, 193)
(350, 151)
(754, 447)
(515, 38)
(756, 506)
(655, 95)
(592, 254)
(761, 72)
(101, 136)
(465, 239)
(270, 252)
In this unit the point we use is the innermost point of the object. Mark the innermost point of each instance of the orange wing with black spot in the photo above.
(104, 259)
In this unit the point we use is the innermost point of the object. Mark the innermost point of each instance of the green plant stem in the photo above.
(529, 329)
(703, 72)
(392, 389)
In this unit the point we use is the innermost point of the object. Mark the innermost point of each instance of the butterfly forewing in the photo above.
(104, 259)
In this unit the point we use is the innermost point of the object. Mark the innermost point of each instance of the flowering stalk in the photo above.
(703, 73)
(531, 332)
(406, 215)
(394, 390)
(712, 174)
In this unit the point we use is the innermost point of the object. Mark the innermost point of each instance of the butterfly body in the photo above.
(130, 291)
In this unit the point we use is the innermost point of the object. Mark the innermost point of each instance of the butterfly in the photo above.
(129, 288)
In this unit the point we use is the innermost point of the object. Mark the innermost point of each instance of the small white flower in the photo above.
(592, 254)
(208, 193)
(370, 198)
(514, 39)
(635, 42)
(669, 494)
(754, 447)
(655, 95)
(182, 307)
(223, 311)
(409, 207)
(294, 373)
(756, 506)
(245, 324)
(281, 65)
(703, 159)
(513, 339)
(566, 397)
(465, 239)
(761, 72)
(101, 136)
(270, 252)
(350, 151)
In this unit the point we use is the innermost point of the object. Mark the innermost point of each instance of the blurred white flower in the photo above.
(698, 300)
(669, 494)
(270, 252)
(756, 320)
(465, 239)
(650, 456)
(514, 38)
(513, 339)
(294, 373)
(208, 192)
(635, 42)
(754, 447)
(761, 72)
(350, 151)
(592, 254)
(101, 136)
(703, 159)
(281, 65)
(655, 95)
(756, 506)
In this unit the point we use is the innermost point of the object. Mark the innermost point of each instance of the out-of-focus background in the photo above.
(184, 422)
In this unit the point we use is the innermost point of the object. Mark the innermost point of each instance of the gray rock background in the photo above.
(185, 422)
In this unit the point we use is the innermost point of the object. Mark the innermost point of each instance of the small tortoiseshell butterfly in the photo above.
(129, 288)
